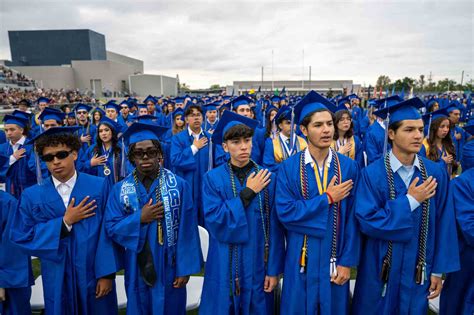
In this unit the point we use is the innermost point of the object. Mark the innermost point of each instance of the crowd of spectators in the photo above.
(12, 96)
(9, 76)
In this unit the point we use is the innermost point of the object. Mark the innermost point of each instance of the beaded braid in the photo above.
(420, 272)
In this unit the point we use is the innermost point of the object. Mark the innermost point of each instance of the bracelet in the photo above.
(330, 198)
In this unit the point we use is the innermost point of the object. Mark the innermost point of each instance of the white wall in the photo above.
(157, 85)
(50, 77)
(136, 63)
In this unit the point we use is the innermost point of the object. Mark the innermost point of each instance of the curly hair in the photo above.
(70, 140)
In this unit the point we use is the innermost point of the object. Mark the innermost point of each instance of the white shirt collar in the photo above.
(283, 137)
(191, 133)
(19, 142)
(396, 164)
(309, 159)
(70, 183)
(381, 123)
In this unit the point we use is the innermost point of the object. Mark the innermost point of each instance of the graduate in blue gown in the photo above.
(246, 247)
(407, 222)
(112, 111)
(125, 117)
(3, 137)
(211, 119)
(60, 222)
(458, 289)
(104, 157)
(314, 205)
(150, 213)
(154, 109)
(176, 127)
(280, 148)
(457, 133)
(35, 123)
(16, 276)
(87, 131)
(14, 170)
(193, 154)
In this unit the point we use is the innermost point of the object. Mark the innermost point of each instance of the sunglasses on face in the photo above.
(81, 112)
(153, 153)
(61, 155)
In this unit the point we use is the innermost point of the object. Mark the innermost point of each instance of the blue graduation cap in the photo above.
(343, 100)
(150, 98)
(151, 119)
(239, 101)
(55, 131)
(275, 99)
(100, 110)
(43, 99)
(113, 105)
(453, 106)
(109, 122)
(24, 101)
(388, 101)
(269, 109)
(52, 114)
(15, 120)
(210, 106)
(177, 111)
(284, 113)
(469, 127)
(340, 107)
(440, 113)
(353, 97)
(312, 102)
(126, 103)
(139, 131)
(179, 100)
(142, 106)
(228, 120)
(71, 114)
(81, 106)
(406, 110)
(19, 113)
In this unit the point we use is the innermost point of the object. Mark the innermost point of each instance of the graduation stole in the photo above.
(336, 207)
(351, 153)
(420, 272)
(167, 192)
(264, 206)
(281, 151)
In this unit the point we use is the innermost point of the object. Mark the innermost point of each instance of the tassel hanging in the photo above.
(332, 267)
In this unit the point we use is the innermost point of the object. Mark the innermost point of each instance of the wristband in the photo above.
(330, 198)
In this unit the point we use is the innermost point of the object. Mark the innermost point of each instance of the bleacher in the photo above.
(11, 77)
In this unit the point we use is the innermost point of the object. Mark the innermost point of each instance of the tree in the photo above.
(446, 85)
(215, 87)
(421, 81)
(383, 81)
(184, 87)
(330, 93)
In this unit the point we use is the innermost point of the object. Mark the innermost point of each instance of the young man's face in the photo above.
(194, 119)
(285, 127)
(81, 116)
(23, 107)
(142, 111)
(42, 106)
(244, 110)
(239, 149)
(146, 157)
(125, 110)
(50, 123)
(211, 115)
(320, 130)
(180, 105)
(111, 113)
(151, 107)
(61, 168)
(13, 132)
(454, 116)
(408, 137)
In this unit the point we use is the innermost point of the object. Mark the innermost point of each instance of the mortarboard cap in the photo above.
(406, 110)
(440, 113)
(228, 120)
(55, 131)
(113, 105)
(241, 100)
(388, 101)
(310, 103)
(150, 98)
(179, 100)
(210, 106)
(19, 113)
(275, 99)
(151, 119)
(52, 114)
(109, 122)
(15, 120)
(42, 99)
(284, 113)
(176, 112)
(81, 106)
(139, 131)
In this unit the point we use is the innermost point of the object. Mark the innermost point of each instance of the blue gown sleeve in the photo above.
(373, 153)
(297, 214)
(379, 218)
(123, 227)
(84, 164)
(462, 196)
(188, 252)
(269, 156)
(225, 219)
(359, 152)
(182, 157)
(276, 257)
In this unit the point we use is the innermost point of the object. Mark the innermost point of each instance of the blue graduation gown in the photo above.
(191, 167)
(208, 126)
(374, 141)
(70, 266)
(382, 220)
(15, 266)
(459, 144)
(306, 293)
(457, 296)
(269, 161)
(3, 137)
(364, 126)
(84, 132)
(17, 176)
(228, 222)
(126, 229)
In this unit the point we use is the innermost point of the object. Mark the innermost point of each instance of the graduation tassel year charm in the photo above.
(384, 274)
(160, 233)
(332, 267)
(237, 286)
(265, 254)
(420, 276)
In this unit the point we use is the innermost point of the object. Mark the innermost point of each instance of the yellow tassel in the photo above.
(160, 233)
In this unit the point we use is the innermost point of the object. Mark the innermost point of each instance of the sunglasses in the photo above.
(61, 155)
(153, 153)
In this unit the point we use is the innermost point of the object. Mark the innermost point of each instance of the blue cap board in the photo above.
(109, 122)
(311, 103)
(269, 109)
(440, 113)
(15, 120)
(151, 119)
(284, 113)
(113, 105)
(81, 106)
(140, 131)
(150, 98)
(52, 114)
(228, 120)
(178, 111)
(275, 99)
(406, 110)
(239, 101)
(19, 113)
(55, 131)
(42, 99)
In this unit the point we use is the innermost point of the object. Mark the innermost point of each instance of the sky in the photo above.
(218, 42)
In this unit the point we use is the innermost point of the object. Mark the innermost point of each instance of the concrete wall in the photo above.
(50, 77)
(294, 86)
(157, 85)
(136, 63)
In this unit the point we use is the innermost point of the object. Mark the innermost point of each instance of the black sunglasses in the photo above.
(153, 153)
(61, 155)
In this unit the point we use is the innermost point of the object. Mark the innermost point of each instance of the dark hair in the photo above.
(447, 142)
(131, 149)
(308, 117)
(394, 127)
(237, 132)
(93, 114)
(98, 141)
(337, 118)
(268, 123)
(70, 140)
(190, 108)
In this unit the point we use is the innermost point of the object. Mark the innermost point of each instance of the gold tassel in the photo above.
(265, 254)
(303, 256)
(160, 233)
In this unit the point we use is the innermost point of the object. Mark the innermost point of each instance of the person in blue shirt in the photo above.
(60, 222)
(314, 203)
(211, 121)
(125, 117)
(154, 109)
(246, 247)
(407, 222)
(150, 213)
(87, 131)
(457, 296)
